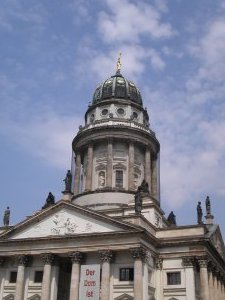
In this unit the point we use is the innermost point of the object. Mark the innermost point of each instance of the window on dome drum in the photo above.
(119, 178)
(12, 277)
(38, 276)
(105, 112)
(173, 278)
(120, 111)
(126, 274)
(135, 115)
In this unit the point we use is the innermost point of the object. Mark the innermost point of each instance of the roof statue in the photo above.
(199, 213)
(208, 205)
(6, 216)
(144, 186)
(68, 181)
(209, 217)
(50, 200)
(118, 64)
(138, 201)
(172, 219)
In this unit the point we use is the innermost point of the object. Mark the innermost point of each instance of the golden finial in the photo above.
(118, 64)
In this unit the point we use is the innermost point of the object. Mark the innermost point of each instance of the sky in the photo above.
(53, 54)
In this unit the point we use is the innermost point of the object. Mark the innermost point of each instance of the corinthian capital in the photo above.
(106, 255)
(138, 253)
(203, 261)
(188, 261)
(158, 263)
(76, 256)
(23, 260)
(48, 258)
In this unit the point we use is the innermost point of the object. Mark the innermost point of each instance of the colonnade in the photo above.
(106, 257)
(211, 280)
(150, 169)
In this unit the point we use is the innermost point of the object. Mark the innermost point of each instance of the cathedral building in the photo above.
(108, 237)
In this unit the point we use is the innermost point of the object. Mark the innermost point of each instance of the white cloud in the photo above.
(47, 136)
(127, 22)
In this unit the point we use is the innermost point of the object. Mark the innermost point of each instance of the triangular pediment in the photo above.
(35, 297)
(124, 297)
(65, 219)
(217, 240)
(9, 297)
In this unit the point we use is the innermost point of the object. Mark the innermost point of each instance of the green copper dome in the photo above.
(117, 87)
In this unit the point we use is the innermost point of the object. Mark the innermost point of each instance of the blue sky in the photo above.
(54, 53)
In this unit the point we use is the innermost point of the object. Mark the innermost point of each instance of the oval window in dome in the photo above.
(120, 111)
(135, 115)
(105, 112)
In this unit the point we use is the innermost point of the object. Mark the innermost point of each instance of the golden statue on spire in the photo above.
(118, 64)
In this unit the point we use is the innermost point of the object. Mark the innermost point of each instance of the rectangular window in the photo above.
(38, 276)
(173, 278)
(119, 178)
(126, 274)
(12, 277)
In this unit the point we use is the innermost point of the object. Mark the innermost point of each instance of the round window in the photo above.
(105, 112)
(120, 111)
(135, 115)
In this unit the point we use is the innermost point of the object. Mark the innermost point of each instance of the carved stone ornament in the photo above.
(203, 262)
(106, 255)
(188, 261)
(75, 256)
(138, 253)
(23, 260)
(158, 263)
(48, 258)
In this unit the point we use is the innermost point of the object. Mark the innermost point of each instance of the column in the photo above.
(154, 179)
(88, 184)
(219, 288)
(75, 274)
(138, 255)
(215, 286)
(106, 257)
(204, 284)
(148, 168)
(188, 263)
(109, 171)
(131, 167)
(158, 280)
(77, 174)
(48, 259)
(211, 285)
(22, 263)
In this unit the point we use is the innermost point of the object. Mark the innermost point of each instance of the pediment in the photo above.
(217, 240)
(65, 219)
(35, 297)
(124, 297)
(9, 297)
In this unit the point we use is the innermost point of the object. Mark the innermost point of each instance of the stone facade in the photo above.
(95, 225)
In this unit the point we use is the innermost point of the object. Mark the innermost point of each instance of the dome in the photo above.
(117, 87)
